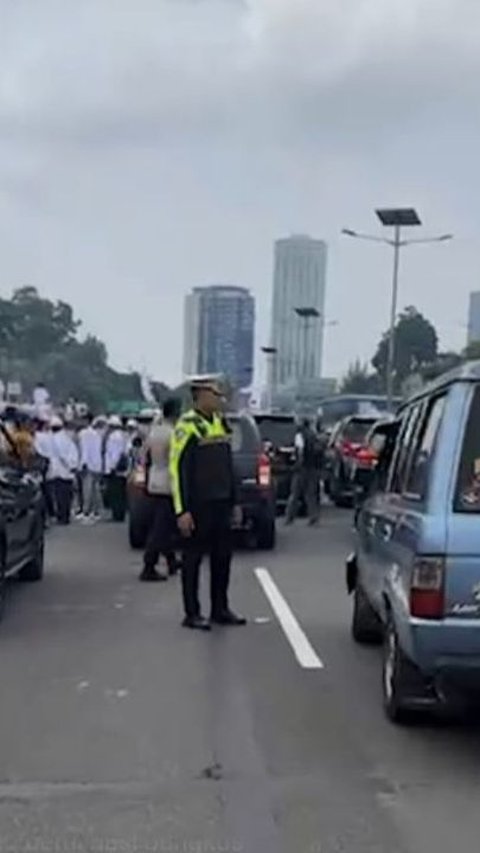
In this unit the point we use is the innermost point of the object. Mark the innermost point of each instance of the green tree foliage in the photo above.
(416, 345)
(472, 351)
(39, 342)
(444, 362)
(359, 380)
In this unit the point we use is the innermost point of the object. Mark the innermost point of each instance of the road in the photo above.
(122, 732)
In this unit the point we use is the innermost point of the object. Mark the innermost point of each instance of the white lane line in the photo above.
(302, 648)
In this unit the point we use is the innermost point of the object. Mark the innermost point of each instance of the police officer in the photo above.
(203, 489)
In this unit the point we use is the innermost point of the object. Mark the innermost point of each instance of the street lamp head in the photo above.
(307, 312)
(269, 350)
(445, 237)
(349, 233)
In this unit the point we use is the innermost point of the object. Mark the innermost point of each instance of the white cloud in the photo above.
(147, 147)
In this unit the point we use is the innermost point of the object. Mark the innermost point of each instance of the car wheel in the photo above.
(266, 535)
(396, 678)
(366, 625)
(33, 571)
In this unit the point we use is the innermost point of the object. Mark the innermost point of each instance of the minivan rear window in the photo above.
(467, 495)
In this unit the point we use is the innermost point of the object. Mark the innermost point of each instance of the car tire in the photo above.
(396, 678)
(366, 624)
(266, 535)
(33, 571)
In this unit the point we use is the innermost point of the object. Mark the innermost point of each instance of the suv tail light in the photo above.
(427, 593)
(348, 448)
(264, 471)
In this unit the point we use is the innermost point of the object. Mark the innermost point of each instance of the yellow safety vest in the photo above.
(191, 424)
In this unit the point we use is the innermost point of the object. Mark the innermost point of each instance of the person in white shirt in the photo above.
(116, 468)
(64, 462)
(41, 401)
(91, 464)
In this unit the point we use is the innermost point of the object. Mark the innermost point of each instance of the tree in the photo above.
(359, 380)
(416, 345)
(40, 326)
(444, 362)
(472, 351)
(39, 342)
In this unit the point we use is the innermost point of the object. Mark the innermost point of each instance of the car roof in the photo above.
(468, 372)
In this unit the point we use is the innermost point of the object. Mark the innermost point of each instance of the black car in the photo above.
(22, 525)
(278, 436)
(346, 441)
(254, 482)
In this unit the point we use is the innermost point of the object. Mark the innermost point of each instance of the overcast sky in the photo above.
(147, 147)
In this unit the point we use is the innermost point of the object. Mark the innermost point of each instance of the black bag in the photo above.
(122, 464)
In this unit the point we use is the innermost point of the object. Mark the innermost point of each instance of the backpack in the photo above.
(313, 450)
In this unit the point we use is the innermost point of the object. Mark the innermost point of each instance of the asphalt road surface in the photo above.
(122, 732)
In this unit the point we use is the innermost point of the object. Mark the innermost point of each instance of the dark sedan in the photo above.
(22, 525)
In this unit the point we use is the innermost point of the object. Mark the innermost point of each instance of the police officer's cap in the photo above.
(205, 382)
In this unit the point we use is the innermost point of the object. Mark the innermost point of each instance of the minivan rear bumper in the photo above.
(448, 651)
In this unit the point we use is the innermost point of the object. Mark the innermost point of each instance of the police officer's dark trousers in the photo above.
(212, 537)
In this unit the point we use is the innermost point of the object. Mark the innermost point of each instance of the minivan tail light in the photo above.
(427, 593)
(264, 471)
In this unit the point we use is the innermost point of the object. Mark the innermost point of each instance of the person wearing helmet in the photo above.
(116, 468)
(204, 497)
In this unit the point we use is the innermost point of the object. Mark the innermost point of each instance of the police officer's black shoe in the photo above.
(152, 576)
(228, 618)
(196, 623)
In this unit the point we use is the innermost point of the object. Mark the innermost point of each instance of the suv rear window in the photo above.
(467, 495)
(280, 431)
(356, 430)
(245, 437)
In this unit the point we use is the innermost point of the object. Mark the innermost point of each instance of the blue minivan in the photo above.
(415, 573)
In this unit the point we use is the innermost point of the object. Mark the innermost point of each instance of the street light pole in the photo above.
(271, 359)
(396, 218)
(393, 317)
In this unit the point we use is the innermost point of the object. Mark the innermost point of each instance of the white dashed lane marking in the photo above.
(301, 645)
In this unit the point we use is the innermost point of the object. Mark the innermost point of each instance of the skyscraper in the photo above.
(474, 317)
(219, 326)
(299, 282)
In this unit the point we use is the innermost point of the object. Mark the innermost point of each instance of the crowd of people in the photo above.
(84, 462)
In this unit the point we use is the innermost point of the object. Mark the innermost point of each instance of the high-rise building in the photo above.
(219, 328)
(299, 282)
(474, 317)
